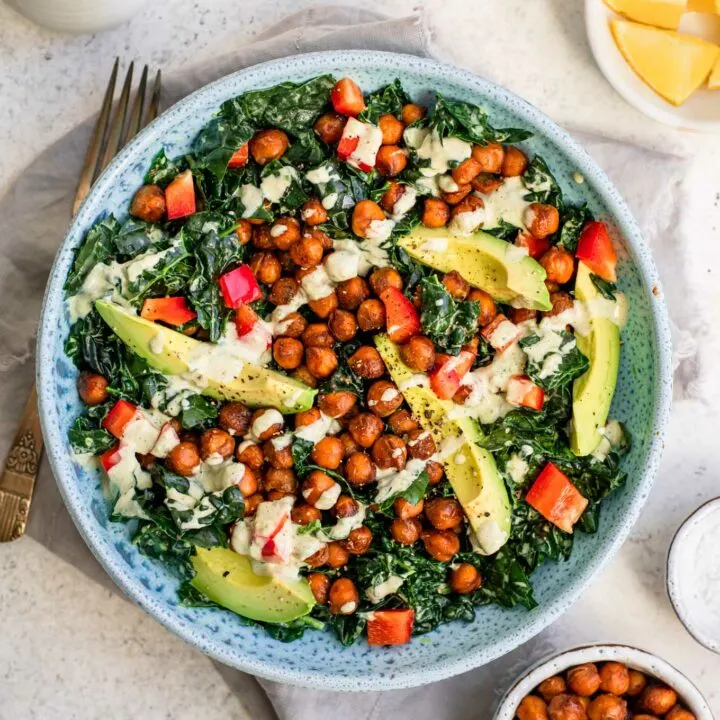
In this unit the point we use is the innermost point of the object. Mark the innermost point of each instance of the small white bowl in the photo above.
(78, 16)
(701, 112)
(647, 663)
(691, 608)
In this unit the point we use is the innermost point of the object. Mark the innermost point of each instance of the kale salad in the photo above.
(348, 363)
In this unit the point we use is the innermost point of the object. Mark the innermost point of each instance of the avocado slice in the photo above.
(593, 391)
(227, 578)
(470, 469)
(486, 262)
(168, 351)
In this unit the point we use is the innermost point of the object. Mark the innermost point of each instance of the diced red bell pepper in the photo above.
(448, 373)
(239, 286)
(245, 319)
(180, 196)
(390, 627)
(347, 98)
(596, 250)
(523, 392)
(347, 146)
(501, 333)
(240, 157)
(170, 310)
(536, 247)
(110, 458)
(121, 413)
(555, 497)
(402, 318)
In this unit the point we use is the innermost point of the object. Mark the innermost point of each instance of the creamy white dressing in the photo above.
(614, 310)
(504, 334)
(392, 482)
(251, 198)
(274, 187)
(441, 152)
(428, 186)
(328, 498)
(447, 184)
(378, 592)
(330, 200)
(517, 468)
(265, 421)
(316, 431)
(317, 284)
(140, 433)
(389, 395)
(416, 380)
(516, 253)
(380, 230)
(342, 265)
(414, 136)
(166, 441)
(369, 142)
(344, 526)
(435, 245)
(282, 441)
(369, 254)
(612, 436)
(278, 230)
(404, 203)
(506, 203)
(466, 223)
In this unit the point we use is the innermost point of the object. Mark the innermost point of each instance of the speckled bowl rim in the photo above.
(672, 574)
(638, 659)
(125, 579)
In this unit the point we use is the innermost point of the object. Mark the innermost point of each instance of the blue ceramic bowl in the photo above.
(642, 399)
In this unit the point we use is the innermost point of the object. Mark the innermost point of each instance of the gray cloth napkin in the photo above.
(36, 209)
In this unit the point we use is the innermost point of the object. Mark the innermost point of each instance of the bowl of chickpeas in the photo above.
(603, 682)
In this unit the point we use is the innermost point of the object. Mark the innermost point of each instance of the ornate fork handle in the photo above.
(21, 468)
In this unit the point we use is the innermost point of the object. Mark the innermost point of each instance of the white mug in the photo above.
(78, 16)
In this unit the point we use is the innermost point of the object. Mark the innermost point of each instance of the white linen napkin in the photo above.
(36, 209)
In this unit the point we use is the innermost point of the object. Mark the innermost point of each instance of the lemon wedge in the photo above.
(673, 65)
(660, 13)
(714, 79)
(704, 6)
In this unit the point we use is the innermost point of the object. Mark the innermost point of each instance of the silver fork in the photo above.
(114, 128)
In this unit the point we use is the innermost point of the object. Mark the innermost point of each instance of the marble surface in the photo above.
(69, 648)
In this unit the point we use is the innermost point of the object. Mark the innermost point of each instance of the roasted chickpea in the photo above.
(345, 507)
(520, 315)
(391, 128)
(288, 352)
(584, 679)
(250, 454)
(268, 145)
(292, 326)
(367, 363)
(269, 431)
(566, 707)
(349, 445)
(607, 707)
(457, 196)
(406, 510)
(248, 484)
(342, 325)
(371, 315)
(283, 291)
(514, 163)
(278, 455)
(365, 429)
(391, 160)
(679, 713)
(614, 678)
(359, 469)
(559, 265)
(436, 213)
(435, 472)
(337, 404)
(304, 376)
(486, 184)
(148, 204)
(402, 422)
(321, 362)
(317, 335)
(389, 451)
(391, 196)
(313, 212)
(465, 579)
(532, 707)
(343, 597)
(456, 284)
(490, 157)
(328, 453)
(657, 699)
(488, 311)
(352, 292)
(338, 555)
(320, 587)
(421, 444)
(216, 442)
(561, 301)
(305, 514)
(307, 251)
(383, 398)
(412, 113)
(284, 232)
(323, 307)
(191, 436)
(643, 716)
(466, 171)
(551, 687)
(314, 485)
(441, 544)
(265, 267)
(243, 232)
(282, 480)
(358, 541)
(183, 459)
(261, 237)
(363, 215)
(329, 127)
(251, 504)
(405, 532)
(443, 513)
(636, 683)
(418, 353)
(318, 558)
(541, 220)
(92, 388)
(384, 278)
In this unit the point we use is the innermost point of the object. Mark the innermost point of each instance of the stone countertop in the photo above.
(69, 648)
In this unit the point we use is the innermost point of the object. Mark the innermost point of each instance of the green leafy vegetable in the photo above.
(198, 412)
(541, 184)
(87, 436)
(386, 101)
(570, 363)
(163, 170)
(572, 219)
(606, 288)
(98, 247)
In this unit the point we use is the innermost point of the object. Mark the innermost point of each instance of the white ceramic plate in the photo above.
(647, 663)
(702, 110)
(692, 610)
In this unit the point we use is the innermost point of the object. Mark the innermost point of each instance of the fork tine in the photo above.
(96, 142)
(136, 113)
(118, 122)
(155, 99)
